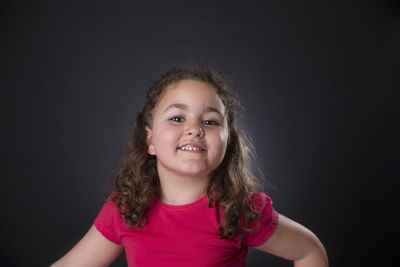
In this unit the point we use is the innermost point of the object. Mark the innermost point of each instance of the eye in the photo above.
(211, 122)
(177, 119)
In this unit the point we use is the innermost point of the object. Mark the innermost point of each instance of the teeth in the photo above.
(190, 148)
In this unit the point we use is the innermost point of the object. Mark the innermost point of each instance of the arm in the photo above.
(293, 241)
(92, 250)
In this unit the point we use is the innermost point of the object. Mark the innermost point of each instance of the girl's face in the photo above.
(189, 130)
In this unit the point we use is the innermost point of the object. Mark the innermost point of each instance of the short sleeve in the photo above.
(266, 223)
(108, 222)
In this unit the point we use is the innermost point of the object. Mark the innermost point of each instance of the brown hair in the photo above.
(232, 184)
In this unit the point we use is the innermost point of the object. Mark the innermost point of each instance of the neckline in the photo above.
(181, 207)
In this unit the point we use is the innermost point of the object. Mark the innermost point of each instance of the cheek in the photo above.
(166, 135)
(218, 141)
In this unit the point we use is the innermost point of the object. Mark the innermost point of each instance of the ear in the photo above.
(150, 146)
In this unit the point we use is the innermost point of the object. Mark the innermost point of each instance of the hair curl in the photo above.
(232, 185)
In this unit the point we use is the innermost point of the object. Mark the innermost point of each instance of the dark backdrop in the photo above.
(319, 80)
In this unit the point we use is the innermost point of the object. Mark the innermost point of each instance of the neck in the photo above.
(181, 189)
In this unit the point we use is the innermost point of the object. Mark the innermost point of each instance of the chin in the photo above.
(195, 172)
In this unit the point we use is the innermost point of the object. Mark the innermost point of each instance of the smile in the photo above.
(191, 148)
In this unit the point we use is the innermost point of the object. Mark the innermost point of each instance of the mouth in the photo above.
(191, 148)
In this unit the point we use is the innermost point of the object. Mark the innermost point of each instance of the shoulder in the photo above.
(108, 209)
(110, 206)
(266, 222)
(260, 201)
(109, 223)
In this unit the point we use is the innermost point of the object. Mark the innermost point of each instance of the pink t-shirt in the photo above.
(183, 235)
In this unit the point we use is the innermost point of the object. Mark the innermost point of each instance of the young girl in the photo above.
(185, 194)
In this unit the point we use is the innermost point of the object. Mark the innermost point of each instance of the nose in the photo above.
(195, 129)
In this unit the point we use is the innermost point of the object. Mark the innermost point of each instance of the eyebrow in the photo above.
(186, 107)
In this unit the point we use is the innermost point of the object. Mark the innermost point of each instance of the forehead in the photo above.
(193, 93)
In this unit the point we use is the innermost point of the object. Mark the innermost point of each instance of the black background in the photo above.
(319, 80)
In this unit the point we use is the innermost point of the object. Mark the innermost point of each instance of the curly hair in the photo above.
(232, 185)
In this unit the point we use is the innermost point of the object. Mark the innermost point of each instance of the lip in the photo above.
(193, 145)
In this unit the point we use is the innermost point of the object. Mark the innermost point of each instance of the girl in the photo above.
(185, 194)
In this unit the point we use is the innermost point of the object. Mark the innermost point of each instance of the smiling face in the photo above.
(189, 130)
